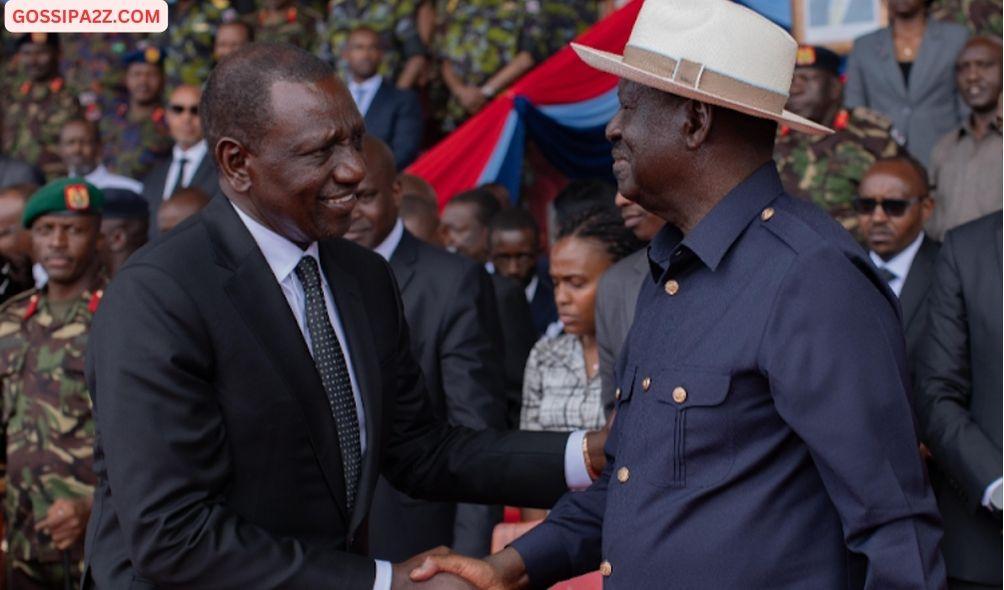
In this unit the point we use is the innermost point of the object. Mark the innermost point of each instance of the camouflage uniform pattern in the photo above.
(297, 25)
(393, 20)
(189, 40)
(92, 64)
(827, 169)
(34, 113)
(47, 421)
(131, 147)
(981, 17)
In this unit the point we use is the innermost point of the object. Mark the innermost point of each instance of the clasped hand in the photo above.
(440, 569)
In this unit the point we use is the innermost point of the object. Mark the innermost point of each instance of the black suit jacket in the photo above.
(960, 395)
(542, 308)
(449, 304)
(517, 337)
(395, 116)
(205, 178)
(216, 454)
(913, 299)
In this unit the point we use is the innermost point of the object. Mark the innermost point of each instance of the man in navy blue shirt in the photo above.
(763, 436)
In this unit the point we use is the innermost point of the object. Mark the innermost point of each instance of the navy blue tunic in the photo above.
(764, 435)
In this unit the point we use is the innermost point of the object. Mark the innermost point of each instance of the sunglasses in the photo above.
(891, 207)
(178, 109)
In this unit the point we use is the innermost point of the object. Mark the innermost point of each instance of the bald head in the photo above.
(183, 115)
(182, 205)
(418, 186)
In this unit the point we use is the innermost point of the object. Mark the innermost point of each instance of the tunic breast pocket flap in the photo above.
(697, 443)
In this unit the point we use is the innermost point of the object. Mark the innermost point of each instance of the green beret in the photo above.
(66, 195)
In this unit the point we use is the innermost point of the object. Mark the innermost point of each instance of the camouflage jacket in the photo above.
(827, 169)
(92, 64)
(981, 17)
(132, 147)
(47, 423)
(34, 114)
(297, 25)
(189, 40)
(393, 20)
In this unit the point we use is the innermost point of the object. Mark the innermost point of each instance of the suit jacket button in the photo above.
(606, 569)
(617, 393)
(623, 474)
(679, 395)
(767, 213)
(646, 383)
(672, 287)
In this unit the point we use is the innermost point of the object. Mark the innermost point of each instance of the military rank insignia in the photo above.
(76, 197)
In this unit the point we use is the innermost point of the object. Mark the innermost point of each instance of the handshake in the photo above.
(440, 569)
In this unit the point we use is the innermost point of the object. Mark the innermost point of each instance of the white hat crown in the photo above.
(721, 35)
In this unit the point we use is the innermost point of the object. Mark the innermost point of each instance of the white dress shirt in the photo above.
(102, 178)
(363, 92)
(282, 257)
(899, 264)
(193, 158)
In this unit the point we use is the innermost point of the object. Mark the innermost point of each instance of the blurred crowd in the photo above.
(517, 320)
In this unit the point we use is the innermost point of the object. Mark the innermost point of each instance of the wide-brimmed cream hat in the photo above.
(714, 51)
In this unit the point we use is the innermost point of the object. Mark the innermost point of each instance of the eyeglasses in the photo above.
(178, 109)
(891, 207)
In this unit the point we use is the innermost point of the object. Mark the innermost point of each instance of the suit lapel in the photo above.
(403, 260)
(918, 279)
(930, 48)
(362, 351)
(887, 61)
(259, 300)
(374, 114)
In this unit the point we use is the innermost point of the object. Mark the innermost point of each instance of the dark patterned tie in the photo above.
(886, 274)
(334, 374)
(179, 180)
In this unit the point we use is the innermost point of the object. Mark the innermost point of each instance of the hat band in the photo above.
(696, 76)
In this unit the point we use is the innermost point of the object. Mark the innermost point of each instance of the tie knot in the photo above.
(886, 274)
(306, 271)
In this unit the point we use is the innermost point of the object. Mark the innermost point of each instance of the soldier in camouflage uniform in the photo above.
(189, 39)
(284, 21)
(981, 17)
(826, 169)
(47, 425)
(91, 64)
(35, 110)
(393, 20)
(134, 131)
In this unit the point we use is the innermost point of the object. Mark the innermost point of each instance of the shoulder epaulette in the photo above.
(870, 117)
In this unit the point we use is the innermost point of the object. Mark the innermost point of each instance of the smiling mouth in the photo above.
(339, 200)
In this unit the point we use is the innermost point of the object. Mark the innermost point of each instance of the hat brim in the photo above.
(614, 64)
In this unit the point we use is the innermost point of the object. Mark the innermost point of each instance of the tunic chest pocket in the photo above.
(689, 428)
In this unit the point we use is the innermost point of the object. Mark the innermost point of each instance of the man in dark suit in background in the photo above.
(190, 163)
(252, 375)
(450, 308)
(515, 253)
(959, 405)
(464, 228)
(391, 114)
(892, 206)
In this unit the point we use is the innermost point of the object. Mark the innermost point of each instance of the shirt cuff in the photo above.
(576, 474)
(987, 499)
(384, 575)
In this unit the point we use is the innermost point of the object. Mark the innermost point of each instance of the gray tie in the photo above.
(887, 275)
(334, 374)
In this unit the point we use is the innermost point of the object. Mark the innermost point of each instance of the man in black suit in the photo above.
(190, 164)
(391, 114)
(449, 305)
(251, 373)
(959, 406)
(892, 206)
(464, 228)
(515, 253)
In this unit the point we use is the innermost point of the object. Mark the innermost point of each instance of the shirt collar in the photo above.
(711, 239)
(966, 128)
(531, 287)
(391, 242)
(899, 264)
(369, 84)
(281, 254)
(192, 154)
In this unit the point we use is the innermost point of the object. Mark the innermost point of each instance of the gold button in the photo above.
(606, 569)
(623, 474)
(679, 395)
(672, 287)
(617, 393)
(767, 213)
(646, 383)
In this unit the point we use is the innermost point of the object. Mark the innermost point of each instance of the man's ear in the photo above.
(232, 161)
(698, 118)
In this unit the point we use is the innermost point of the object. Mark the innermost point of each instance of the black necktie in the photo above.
(886, 274)
(179, 179)
(334, 373)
